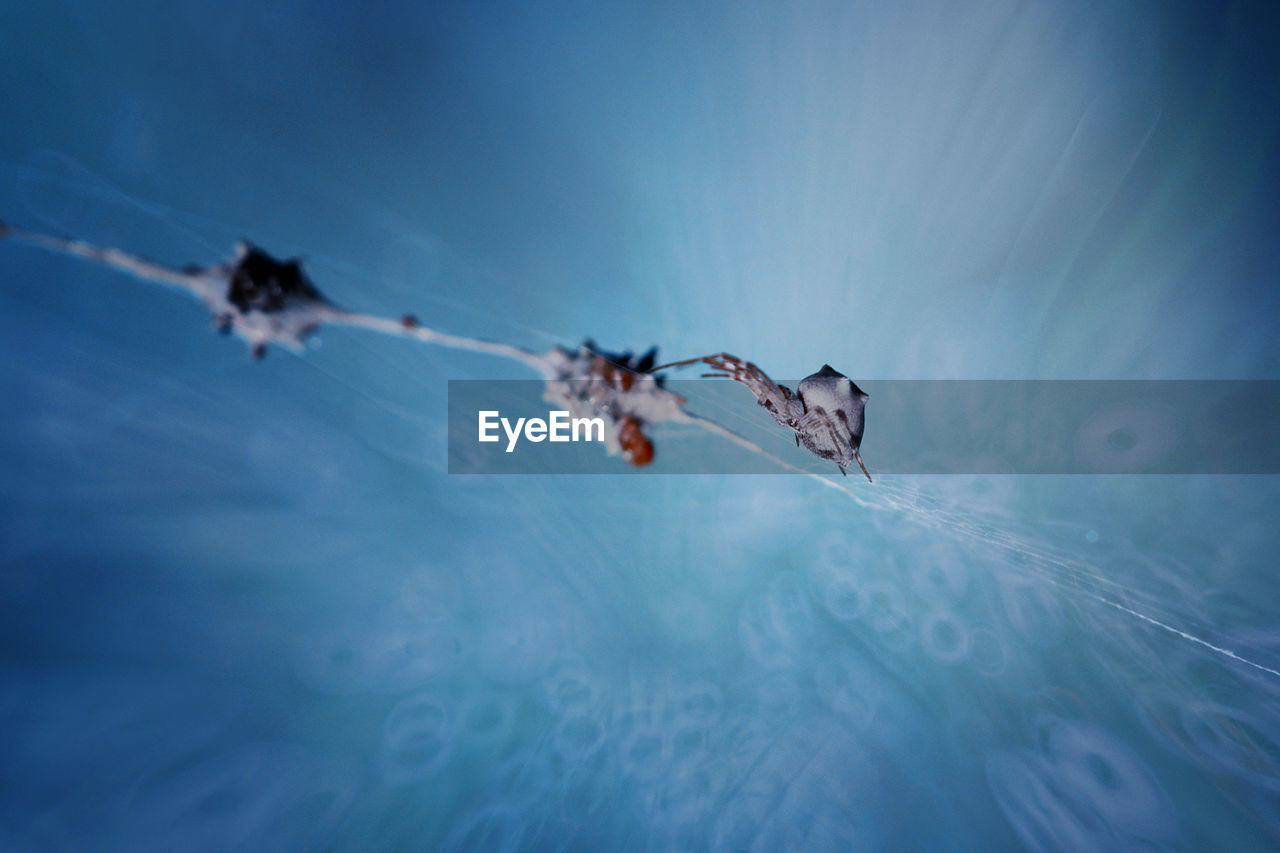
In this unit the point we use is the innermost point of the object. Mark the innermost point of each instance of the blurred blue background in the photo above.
(244, 606)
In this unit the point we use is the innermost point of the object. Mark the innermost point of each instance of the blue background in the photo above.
(244, 606)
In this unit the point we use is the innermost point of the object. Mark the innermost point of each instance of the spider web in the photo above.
(582, 643)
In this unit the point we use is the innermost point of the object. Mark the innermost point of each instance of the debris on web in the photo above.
(264, 301)
(617, 387)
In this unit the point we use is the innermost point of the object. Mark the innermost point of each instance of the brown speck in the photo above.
(636, 449)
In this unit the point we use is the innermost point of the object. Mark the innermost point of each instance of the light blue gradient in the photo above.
(244, 607)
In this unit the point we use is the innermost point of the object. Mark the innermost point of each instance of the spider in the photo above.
(825, 411)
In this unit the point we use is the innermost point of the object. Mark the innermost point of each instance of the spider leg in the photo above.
(835, 440)
(720, 361)
(679, 363)
(831, 431)
(858, 456)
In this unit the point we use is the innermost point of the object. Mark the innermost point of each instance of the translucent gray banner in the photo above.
(912, 427)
